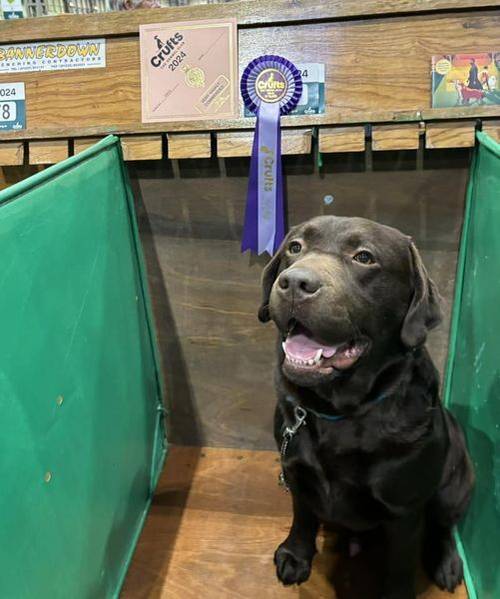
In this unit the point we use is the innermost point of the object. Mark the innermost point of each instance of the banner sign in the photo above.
(53, 56)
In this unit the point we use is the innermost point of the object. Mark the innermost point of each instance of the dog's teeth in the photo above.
(317, 357)
(310, 362)
(283, 345)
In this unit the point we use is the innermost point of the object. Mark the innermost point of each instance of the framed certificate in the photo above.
(189, 71)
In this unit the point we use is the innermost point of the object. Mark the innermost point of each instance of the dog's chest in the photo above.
(336, 484)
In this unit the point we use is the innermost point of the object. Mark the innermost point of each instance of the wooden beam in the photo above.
(48, 152)
(396, 137)
(83, 143)
(142, 147)
(11, 153)
(189, 145)
(342, 139)
(239, 143)
(296, 141)
(492, 128)
(338, 118)
(450, 135)
(251, 12)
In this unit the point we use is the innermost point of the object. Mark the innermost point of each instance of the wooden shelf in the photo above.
(335, 118)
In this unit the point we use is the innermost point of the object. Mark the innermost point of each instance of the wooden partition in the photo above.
(376, 54)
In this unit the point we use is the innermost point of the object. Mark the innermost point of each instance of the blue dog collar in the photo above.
(329, 417)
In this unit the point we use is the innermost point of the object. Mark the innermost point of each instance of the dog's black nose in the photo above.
(299, 281)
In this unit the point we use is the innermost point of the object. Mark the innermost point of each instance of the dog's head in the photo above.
(343, 291)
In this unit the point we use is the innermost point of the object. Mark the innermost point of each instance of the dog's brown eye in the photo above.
(295, 247)
(364, 257)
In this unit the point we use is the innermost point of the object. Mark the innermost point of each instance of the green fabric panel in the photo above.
(472, 389)
(75, 322)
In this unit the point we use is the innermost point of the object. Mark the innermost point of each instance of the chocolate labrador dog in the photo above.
(365, 441)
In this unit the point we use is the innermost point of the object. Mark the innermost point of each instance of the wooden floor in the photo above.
(217, 516)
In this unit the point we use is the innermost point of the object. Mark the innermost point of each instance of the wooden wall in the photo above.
(367, 78)
(377, 57)
(217, 357)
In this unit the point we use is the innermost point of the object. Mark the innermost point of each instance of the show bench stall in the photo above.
(376, 148)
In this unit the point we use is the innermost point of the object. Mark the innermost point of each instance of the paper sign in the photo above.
(471, 79)
(12, 9)
(189, 71)
(53, 56)
(12, 107)
(312, 100)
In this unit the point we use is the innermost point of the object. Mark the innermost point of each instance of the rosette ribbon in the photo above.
(271, 86)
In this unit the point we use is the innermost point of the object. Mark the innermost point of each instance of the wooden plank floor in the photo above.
(217, 517)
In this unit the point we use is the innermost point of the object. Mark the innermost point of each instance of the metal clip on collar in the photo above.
(300, 417)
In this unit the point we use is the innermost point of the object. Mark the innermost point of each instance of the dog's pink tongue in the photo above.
(302, 347)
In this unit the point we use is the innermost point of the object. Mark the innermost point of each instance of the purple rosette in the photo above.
(271, 86)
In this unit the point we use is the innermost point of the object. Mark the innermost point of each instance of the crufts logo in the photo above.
(165, 48)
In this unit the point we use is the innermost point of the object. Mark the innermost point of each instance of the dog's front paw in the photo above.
(290, 568)
(442, 562)
(449, 573)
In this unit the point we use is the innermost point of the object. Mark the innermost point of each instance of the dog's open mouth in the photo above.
(303, 352)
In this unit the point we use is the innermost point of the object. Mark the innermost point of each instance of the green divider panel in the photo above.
(82, 438)
(472, 389)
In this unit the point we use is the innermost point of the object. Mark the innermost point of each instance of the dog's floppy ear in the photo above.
(424, 312)
(269, 275)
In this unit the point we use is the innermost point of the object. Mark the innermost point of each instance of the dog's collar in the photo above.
(329, 417)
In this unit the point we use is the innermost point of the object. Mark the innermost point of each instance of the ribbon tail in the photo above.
(268, 126)
(264, 226)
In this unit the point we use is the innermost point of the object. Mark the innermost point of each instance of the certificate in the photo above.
(189, 71)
